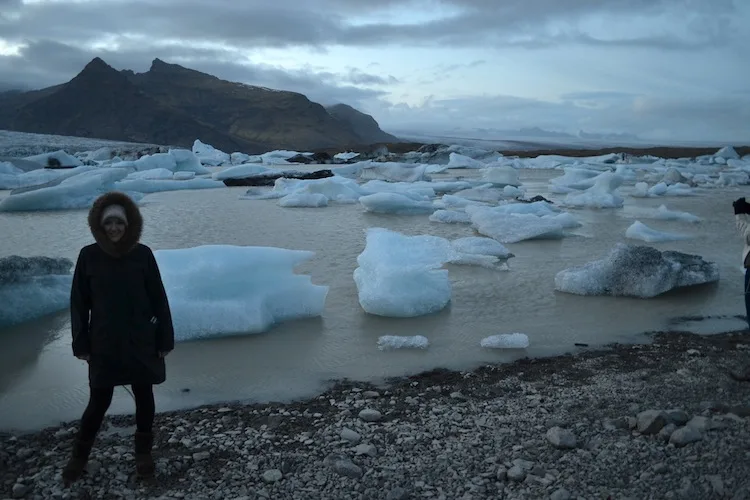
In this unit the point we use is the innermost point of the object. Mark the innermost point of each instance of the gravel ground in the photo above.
(657, 420)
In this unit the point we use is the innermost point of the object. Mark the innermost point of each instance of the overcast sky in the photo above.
(663, 69)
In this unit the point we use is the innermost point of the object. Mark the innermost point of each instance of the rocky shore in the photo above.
(656, 420)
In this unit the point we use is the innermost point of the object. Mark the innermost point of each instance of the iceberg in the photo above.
(32, 287)
(602, 194)
(637, 271)
(506, 341)
(477, 245)
(304, 200)
(76, 192)
(395, 203)
(513, 227)
(225, 290)
(640, 231)
(148, 186)
(401, 276)
(450, 217)
(387, 342)
(209, 155)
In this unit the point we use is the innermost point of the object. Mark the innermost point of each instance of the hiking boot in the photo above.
(144, 462)
(741, 375)
(76, 465)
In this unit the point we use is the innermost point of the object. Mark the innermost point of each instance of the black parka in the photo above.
(120, 314)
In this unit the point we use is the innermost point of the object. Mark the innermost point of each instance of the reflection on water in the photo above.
(42, 383)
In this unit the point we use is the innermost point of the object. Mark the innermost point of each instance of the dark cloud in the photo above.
(285, 23)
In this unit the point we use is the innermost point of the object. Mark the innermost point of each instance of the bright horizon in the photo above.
(665, 70)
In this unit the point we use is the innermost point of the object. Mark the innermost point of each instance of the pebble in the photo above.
(370, 415)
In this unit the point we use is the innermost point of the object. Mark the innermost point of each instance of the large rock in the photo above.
(269, 178)
(15, 269)
(637, 271)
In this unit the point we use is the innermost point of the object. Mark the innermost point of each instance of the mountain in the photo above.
(363, 124)
(173, 105)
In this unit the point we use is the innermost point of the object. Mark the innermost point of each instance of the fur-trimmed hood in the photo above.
(132, 232)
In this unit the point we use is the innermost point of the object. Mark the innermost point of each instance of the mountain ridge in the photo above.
(174, 105)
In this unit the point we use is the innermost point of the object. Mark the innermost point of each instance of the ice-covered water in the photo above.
(41, 382)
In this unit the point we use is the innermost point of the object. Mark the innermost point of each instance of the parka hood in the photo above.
(132, 231)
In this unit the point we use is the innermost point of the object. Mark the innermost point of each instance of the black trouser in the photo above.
(99, 400)
(747, 295)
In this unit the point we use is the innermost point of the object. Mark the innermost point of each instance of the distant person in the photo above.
(122, 326)
(742, 219)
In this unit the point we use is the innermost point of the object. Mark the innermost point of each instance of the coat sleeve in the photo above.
(743, 226)
(80, 308)
(160, 304)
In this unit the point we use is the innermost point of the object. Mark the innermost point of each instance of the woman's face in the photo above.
(115, 229)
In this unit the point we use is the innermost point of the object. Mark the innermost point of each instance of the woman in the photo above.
(121, 324)
(742, 219)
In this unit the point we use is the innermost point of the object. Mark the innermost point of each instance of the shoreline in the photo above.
(558, 427)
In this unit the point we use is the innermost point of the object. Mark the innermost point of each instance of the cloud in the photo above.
(709, 119)
(287, 23)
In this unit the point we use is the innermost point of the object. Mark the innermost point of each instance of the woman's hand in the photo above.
(84, 357)
(163, 354)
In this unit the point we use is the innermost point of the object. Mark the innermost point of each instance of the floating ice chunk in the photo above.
(483, 194)
(41, 177)
(402, 276)
(393, 172)
(187, 161)
(727, 152)
(513, 192)
(627, 172)
(31, 287)
(76, 192)
(733, 179)
(154, 161)
(514, 227)
(637, 271)
(157, 186)
(183, 176)
(349, 155)
(304, 200)
(395, 203)
(603, 194)
(640, 231)
(240, 158)
(223, 290)
(450, 217)
(506, 341)
(336, 189)
(388, 342)
(411, 190)
(535, 208)
(663, 213)
(442, 187)
(481, 246)
(501, 175)
(209, 155)
(565, 219)
(576, 178)
(7, 168)
(64, 158)
(461, 161)
(239, 172)
(454, 201)
(153, 174)
(262, 194)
